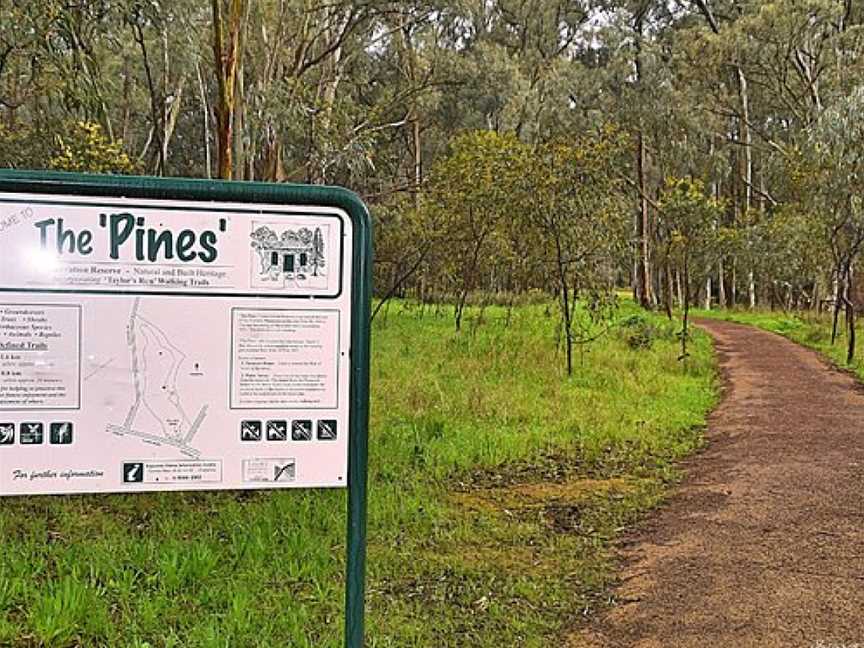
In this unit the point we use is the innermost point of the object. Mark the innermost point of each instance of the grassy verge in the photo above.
(807, 329)
(496, 485)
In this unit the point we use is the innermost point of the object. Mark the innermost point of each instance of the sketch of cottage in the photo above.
(289, 255)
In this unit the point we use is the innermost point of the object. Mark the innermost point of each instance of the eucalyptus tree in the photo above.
(635, 71)
(572, 197)
(784, 250)
(693, 221)
(159, 72)
(473, 189)
(760, 73)
(832, 170)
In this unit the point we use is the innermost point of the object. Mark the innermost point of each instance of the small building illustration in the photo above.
(292, 254)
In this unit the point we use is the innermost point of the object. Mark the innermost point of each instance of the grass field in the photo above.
(805, 328)
(496, 486)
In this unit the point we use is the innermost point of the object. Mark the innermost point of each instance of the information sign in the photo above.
(160, 335)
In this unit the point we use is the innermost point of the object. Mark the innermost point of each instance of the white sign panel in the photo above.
(161, 345)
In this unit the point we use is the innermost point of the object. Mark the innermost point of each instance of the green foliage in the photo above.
(834, 155)
(521, 217)
(22, 146)
(784, 248)
(68, 610)
(693, 227)
(85, 148)
(641, 331)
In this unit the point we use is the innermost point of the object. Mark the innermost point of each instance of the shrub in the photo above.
(85, 148)
(640, 331)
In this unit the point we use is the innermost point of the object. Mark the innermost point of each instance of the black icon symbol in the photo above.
(327, 430)
(133, 473)
(7, 433)
(32, 433)
(61, 433)
(283, 472)
(301, 430)
(277, 430)
(250, 431)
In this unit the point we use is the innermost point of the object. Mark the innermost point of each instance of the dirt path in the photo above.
(763, 543)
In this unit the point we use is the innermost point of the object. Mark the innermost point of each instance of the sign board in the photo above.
(163, 345)
(160, 335)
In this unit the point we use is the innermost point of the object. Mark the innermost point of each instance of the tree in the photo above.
(227, 55)
(472, 189)
(832, 169)
(574, 201)
(696, 238)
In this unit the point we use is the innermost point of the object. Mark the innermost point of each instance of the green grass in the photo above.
(805, 328)
(496, 484)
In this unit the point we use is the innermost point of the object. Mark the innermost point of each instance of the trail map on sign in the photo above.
(157, 414)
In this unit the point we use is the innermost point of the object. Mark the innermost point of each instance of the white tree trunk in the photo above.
(751, 289)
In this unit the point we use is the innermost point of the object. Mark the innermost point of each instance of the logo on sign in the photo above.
(133, 472)
(301, 430)
(283, 472)
(61, 433)
(277, 430)
(327, 430)
(32, 433)
(250, 431)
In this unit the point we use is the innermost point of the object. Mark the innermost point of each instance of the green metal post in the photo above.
(355, 589)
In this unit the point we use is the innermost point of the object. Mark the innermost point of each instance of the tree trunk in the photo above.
(669, 292)
(205, 114)
(816, 297)
(850, 314)
(226, 55)
(460, 307)
(155, 101)
(568, 326)
(409, 64)
(643, 228)
(319, 163)
(747, 144)
(564, 294)
(751, 290)
(734, 281)
(708, 293)
(418, 157)
(468, 279)
(836, 315)
(686, 318)
(238, 143)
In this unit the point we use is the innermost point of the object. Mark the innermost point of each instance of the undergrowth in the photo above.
(496, 486)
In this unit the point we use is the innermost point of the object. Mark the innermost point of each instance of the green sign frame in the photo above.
(136, 187)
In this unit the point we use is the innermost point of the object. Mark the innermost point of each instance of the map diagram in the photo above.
(157, 414)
